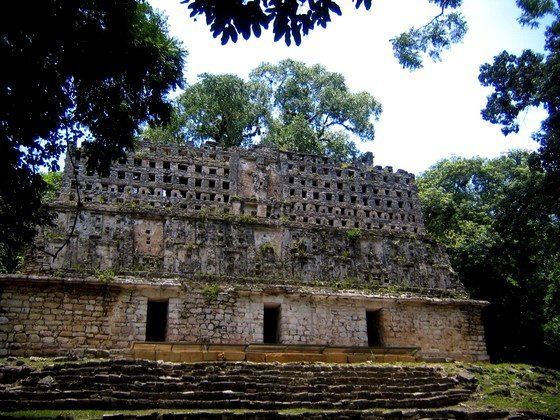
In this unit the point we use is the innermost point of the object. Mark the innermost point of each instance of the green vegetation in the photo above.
(93, 71)
(354, 234)
(106, 276)
(311, 109)
(513, 387)
(502, 233)
(41, 362)
(222, 107)
(266, 248)
(530, 80)
(350, 283)
(288, 105)
(211, 292)
(53, 180)
(244, 218)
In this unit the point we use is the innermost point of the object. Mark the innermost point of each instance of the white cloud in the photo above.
(428, 115)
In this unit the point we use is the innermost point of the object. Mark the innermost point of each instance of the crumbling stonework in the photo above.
(218, 235)
(256, 213)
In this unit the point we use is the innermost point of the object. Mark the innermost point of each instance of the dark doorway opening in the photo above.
(271, 327)
(156, 320)
(373, 328)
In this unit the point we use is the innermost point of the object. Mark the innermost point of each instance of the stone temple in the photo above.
(188, 254)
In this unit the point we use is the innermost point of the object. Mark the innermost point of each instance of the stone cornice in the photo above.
(176, 283)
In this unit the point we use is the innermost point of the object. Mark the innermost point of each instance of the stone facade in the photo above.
(46, 316)
(256, 213)
(219, 235)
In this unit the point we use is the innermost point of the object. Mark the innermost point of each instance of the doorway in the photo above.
(271, 324)
(373, 328)
(156, 320)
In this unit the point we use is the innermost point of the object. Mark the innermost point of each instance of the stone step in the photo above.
(181, 371)
(228, 385)
(249, 387)
(111, 376)
(255, 387)
(187, 403)
(248, 367)
(117, 363)
(234, 384)
(395, 398)
(335, 414)
(263, 377)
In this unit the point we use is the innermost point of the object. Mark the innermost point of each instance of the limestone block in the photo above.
(360, 358)
(213, 356)
(234, 356)
(146, 354)
(336, 358)
(294, 357)
(256, 357)
(190, 356)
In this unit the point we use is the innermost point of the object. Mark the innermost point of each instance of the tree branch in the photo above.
(79, 206)
(433, 19)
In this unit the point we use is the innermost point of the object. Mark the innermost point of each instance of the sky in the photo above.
(429, 114)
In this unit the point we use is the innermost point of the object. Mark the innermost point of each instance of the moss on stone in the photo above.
(354, 234)
(513, 386)
(211, 292)
(106, 276)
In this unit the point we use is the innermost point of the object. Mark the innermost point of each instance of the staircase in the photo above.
(142, 384)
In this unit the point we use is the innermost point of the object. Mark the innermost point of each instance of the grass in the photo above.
(41, 362)
(513, 387)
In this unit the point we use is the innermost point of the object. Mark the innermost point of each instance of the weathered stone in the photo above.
(226, 385)
(221, 234)
(47, 381)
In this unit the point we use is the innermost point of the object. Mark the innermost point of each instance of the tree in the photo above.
(53, 181)
(292, 19)
(72, 70)
(519, 82)
(530, 80)
(288, 105)
(494, 220)
(223, 108)
(312, 110)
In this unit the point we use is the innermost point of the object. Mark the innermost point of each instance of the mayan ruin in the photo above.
(180, 252)
(280, 209)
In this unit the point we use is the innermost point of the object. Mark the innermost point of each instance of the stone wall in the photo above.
(50, 316)
(46, 318)
(258, 182)
(161, 243)
(439, 330)
(258, 214)
(270, 227)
